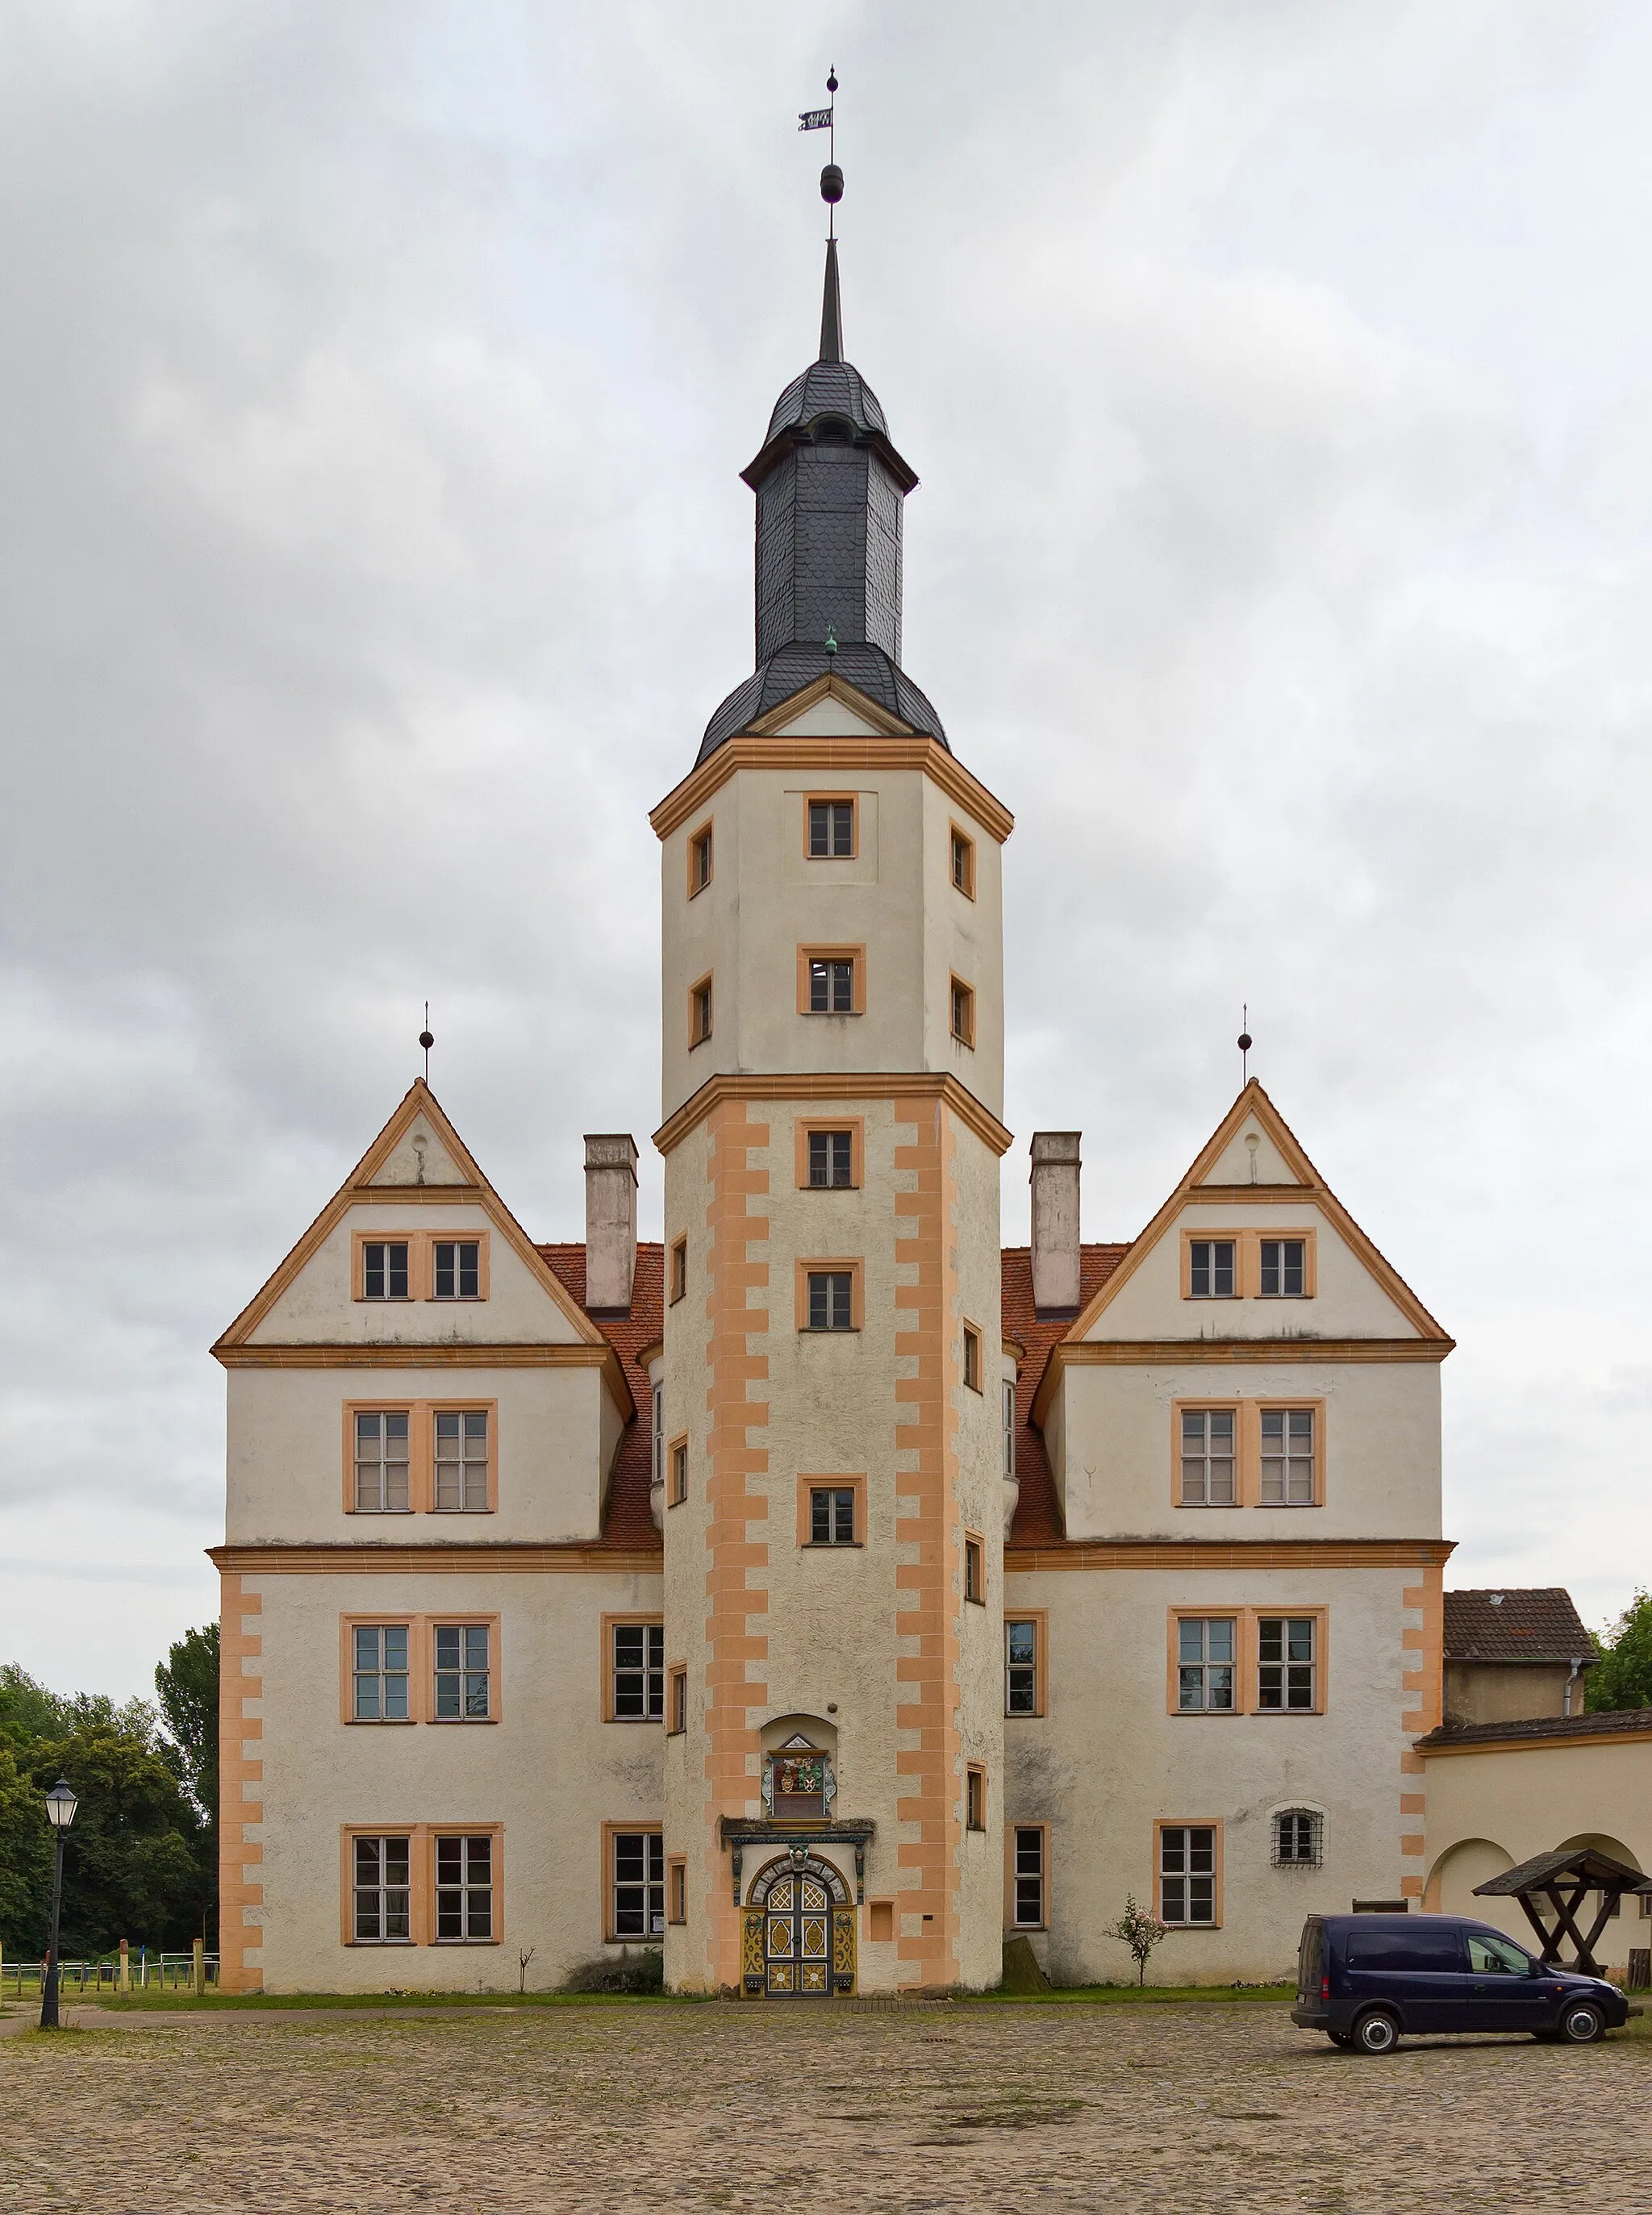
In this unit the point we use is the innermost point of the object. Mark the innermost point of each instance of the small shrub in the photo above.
(643, 1972)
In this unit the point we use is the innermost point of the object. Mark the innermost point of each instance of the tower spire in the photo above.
(831, 320)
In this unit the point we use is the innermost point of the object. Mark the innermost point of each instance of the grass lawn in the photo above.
(249, 2003)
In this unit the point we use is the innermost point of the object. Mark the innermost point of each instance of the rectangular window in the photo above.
(462, 1463)
(1205, 1657)
(639, 1883)
(384, 1269)
(1287, 1664)
(963, 1012)
(699, 860)
(699, 1012)
(678, 1270)
(1021, 1666)
(963, 862)
(678, 1492)
(830, 985)
(382, 1876)
(832, 1515)
(381, 1464)
(974, 1569)
(1028, 1875)
(380, 1672)
(465, 1891)
(1187, 1879)
(1210, 1269)
(1207, 1457)
(1296, 1839)
(1283, 1277)
(638, 1677)
(972, 1356)
(679, 1701)
(975, 1798)
(464, 1673)
(831, 1160)
(457, 1269)
(1007, 1414)
(678, 1875)
(830, 1299)
(657, 1456)
(1287, 1457)
(831, 830)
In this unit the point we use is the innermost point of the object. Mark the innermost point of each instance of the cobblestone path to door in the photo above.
(841, 2108)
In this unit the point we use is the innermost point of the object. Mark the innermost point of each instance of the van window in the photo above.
(1310, 1956)
(1412, 1950)
(1497, 1957)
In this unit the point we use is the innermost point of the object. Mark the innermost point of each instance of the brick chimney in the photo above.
(610, 1219)
(1055, 1219)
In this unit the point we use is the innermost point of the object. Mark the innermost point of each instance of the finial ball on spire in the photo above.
(832, 80)
(831, 184)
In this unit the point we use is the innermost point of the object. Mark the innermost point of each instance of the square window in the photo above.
(678, 1270)
(1021, 1659)
(679, 1472)
(832, 1515)
(830, 985)
(638, 1896)
(1288, 1466)
(381, 1463)
(1187, 1879)
(465, 1891)
(384, 1269)
(1283, 1271)
(462, 1461)
(831, 1160)
(699, 1013)
(1207, 1460)
(974, 1570)
(458, 1269)
(1287, 1664)
(972, 1356)
(379, 1672)
(830, 1299)
(699, 860)
(638, 1672)
(1205, 1657)
(963, 1012)
(1029, 1876)
(831, 830)
(975, 1798)
(463, 1676)
(383, 1893)
(963, 862)
(1210, 1268)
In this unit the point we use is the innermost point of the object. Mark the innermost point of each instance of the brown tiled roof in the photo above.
(1538, 1623)
(628, 1526)
(1038, 1511)
(1601, 1726)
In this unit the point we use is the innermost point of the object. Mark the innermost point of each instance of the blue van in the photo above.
(1368, 1980)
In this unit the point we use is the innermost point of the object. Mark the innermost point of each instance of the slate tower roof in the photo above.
(830, 485)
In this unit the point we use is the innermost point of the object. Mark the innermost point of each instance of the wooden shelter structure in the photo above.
(1561, 1881)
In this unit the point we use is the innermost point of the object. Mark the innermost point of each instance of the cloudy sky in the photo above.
(373, 383)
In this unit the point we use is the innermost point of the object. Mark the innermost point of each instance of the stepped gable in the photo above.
(1038, 1511)
(627, 1525)
(1513, 1623)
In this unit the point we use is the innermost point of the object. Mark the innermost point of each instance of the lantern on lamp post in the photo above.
(60, 1805)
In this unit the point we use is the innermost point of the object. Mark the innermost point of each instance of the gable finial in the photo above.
(831, 191)
(427, 1041)
(1246, 1043)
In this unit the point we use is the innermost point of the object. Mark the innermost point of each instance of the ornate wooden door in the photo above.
(797, 1937)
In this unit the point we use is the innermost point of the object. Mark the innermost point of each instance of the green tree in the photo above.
(187, 1685)
(25, 1852)
(1141, 1931)
(27, 1711)
(1623, 1675)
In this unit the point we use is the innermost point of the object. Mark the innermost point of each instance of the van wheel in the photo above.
(1376, 2032)
(1582, 2024)
(1343, 2038)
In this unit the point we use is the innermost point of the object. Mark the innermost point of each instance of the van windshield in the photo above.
(1414, 1950)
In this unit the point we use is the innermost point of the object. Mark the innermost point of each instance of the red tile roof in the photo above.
(1534, 1623)
(1038, 1511)
(628, 1526)
(1608, 1724)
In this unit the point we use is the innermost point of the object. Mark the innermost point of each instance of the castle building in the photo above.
(825, 1593)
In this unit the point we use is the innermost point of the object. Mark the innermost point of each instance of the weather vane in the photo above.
(427, 1041)
(831, 177)
(1245, 1042)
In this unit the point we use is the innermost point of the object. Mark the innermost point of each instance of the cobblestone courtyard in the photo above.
(1188, 2108)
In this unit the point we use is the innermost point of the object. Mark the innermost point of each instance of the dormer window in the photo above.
(833, 430)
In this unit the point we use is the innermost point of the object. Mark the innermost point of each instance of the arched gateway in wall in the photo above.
(798, 1939)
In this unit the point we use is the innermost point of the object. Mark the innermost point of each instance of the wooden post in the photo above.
(198, 1966)
(124, 1981)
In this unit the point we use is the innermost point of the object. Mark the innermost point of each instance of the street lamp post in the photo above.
(60, 1805)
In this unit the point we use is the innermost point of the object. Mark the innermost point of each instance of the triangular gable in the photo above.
(829, 707)
(1223, 1167)
(393, 1162)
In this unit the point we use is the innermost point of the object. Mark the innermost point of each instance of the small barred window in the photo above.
(1297, 1834)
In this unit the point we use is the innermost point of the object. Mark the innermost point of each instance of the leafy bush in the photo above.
(626, 1973)
(1623, 1675)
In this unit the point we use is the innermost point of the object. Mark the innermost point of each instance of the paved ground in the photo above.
(1189, 2108)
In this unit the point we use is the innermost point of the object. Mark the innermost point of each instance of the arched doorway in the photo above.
(798, 1941)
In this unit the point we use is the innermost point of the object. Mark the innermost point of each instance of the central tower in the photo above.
(828, 1418)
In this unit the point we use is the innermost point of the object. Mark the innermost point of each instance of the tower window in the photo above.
(832, 1515)
(1022, 1667)
(384, 1269)
(679, 1472)
(699, 860)
(678, 1270)
(974, 1570)
(963, 1012)
(637, 1683)
(972, 1356)
(831, 830)
(458, 1269)
(699, 1012)
(678, 1707)
(830, 1299)
(1210, 1268)
(975, 1798)
(831, 1160)
(829, 982)
(963, 862)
